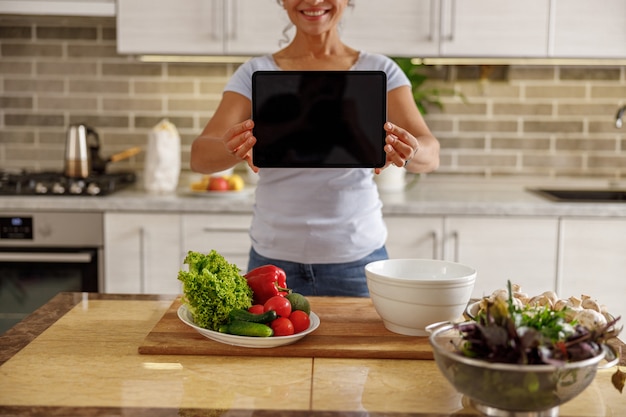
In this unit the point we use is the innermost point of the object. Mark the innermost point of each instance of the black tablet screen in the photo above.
(319, 118)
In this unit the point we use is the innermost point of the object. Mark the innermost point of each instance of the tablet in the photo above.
(319, 119)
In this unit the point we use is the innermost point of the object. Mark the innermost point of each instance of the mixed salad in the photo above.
(506, 331)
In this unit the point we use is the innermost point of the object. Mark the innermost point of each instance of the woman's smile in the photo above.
(315, 16)
(314, 13)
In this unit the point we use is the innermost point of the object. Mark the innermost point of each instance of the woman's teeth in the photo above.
(313, 13)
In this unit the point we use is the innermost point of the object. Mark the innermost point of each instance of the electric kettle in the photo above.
(82, 153)
(80, 143)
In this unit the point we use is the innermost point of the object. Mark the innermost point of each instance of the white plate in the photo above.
(246, 341)
(221, 194)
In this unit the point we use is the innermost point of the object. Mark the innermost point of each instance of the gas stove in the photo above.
(56, 184)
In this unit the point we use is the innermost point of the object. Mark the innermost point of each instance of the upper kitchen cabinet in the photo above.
(488, 28)
(413, 28)
(589, 29)
(428, 28)
(59, 8)
(199, 27)
(396, 28)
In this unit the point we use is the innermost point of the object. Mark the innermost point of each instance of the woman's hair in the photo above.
(286, 39)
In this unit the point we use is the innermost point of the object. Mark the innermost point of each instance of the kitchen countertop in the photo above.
(433, 195)
(77, 356)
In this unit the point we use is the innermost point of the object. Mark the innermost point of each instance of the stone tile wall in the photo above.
(507, 120)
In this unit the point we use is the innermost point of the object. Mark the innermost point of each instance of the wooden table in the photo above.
(79, 356)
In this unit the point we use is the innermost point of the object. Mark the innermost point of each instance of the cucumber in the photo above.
(247, 328)
(245, 315)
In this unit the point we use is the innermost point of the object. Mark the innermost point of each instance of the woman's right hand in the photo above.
(239, 140)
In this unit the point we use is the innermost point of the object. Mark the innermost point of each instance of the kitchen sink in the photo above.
(598, 195)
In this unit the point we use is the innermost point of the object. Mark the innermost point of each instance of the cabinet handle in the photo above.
(215, 26)
(431, 23)
(450, 36)
(224, 229)
(143, 263)
(46, 257)
(551, 29)
(457, 255)
(232, 20)
(435, 238)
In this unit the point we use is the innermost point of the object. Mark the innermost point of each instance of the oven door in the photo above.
(29, 277)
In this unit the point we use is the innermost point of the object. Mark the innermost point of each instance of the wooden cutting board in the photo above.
(349, 328)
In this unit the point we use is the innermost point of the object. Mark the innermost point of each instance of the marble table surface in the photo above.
(78, 356)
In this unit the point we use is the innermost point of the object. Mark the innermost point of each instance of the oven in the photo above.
(44, 253)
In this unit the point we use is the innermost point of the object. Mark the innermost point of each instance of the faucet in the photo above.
(618, 118)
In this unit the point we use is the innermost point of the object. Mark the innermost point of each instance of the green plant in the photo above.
(424, 97)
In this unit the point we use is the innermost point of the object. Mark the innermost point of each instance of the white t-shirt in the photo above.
(317, 215)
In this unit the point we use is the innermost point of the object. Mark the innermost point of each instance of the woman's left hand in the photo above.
(400, 146)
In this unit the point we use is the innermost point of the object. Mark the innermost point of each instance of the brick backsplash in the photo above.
(505, 120)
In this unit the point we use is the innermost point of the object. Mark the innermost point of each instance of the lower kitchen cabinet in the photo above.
(522, 250)
(145, 251)
(228, 234)
(414, 237)
(142, 253)
(593, 261)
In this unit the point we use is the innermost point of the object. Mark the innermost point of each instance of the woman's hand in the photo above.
(239, 140)
(400, 146)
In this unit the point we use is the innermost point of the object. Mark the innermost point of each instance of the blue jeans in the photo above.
(343, 279)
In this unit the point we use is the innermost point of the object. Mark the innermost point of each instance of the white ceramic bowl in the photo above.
(410, 294)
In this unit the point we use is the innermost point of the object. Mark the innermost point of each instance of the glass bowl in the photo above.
(511, 390)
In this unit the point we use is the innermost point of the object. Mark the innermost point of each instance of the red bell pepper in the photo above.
(267, 281)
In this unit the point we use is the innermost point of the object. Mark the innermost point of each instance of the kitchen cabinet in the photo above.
(414, 236)
(397, 28)
(422, 28)
(59, 7)
(593, 261)
(494, 28)
(589, 29)
(197, 27)
(228, 234)
(142, 253)
(428, 28)
(522, 250)
(489, 28)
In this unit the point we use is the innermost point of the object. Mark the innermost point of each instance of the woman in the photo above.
(322, 226)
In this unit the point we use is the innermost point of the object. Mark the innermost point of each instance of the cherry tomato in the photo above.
(282, 326)
(279, 304)
(257, 309)
(300, 320)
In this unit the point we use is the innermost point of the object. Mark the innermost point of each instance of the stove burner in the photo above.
(54, 183)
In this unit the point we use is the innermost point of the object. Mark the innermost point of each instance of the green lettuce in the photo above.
(212, 288)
